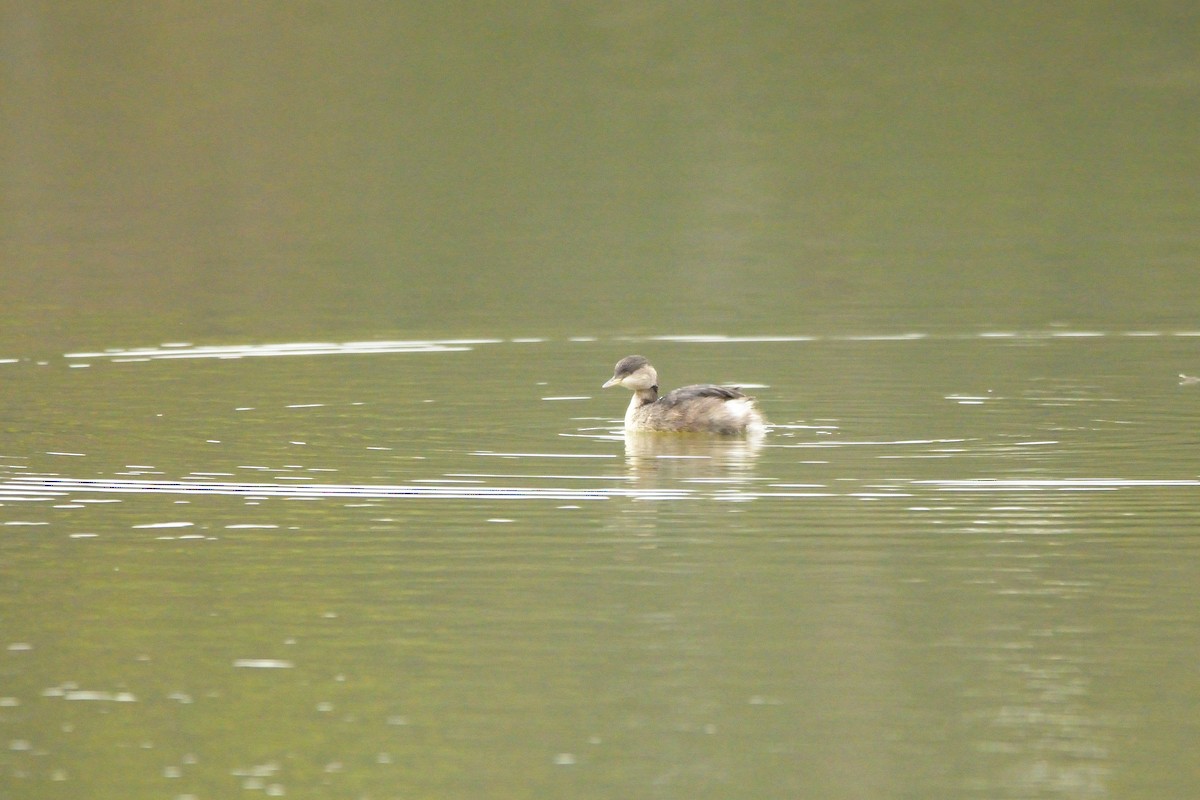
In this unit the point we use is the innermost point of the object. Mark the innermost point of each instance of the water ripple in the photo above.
(188, 350)
(35, 486)
(44, 488)
(1071, 484)
(178, 351)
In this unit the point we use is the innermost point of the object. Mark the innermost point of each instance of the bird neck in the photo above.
(643, 396)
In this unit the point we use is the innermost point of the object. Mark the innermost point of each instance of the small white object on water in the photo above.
(262, 663)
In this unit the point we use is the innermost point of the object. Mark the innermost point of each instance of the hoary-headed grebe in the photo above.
(700, 408)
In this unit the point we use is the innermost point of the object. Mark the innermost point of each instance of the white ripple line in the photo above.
(60, 486)
(285, 349)
(1052, 483)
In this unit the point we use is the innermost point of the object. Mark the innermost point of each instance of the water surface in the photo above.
(308, 488)
(967, 583)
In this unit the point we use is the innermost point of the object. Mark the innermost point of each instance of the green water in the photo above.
(308, 487)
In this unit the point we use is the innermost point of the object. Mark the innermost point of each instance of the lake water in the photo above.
(308, 487)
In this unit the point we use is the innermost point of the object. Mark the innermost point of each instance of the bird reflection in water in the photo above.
(667, 457)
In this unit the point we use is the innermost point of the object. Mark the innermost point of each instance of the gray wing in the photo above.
(686, 393)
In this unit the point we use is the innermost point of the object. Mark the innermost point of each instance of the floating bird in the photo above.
(703, 408)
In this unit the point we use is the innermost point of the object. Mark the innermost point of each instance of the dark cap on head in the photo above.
(629, 365)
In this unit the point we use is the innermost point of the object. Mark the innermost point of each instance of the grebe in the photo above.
(700, 408)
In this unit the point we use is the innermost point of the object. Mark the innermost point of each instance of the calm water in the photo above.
(308, 488)
(345, 575)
